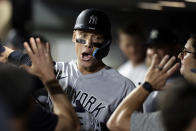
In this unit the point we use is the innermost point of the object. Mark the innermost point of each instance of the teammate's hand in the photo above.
(4, 53)
(42, 64)
(158, 73)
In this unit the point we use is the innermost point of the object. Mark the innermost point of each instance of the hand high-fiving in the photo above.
(42, 64)
(158, 73)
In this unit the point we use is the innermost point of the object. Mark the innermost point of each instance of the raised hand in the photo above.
(158, 73)
(42, 64)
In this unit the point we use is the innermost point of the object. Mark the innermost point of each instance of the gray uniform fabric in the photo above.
(146, 121)
(99, 93)
(151, 103)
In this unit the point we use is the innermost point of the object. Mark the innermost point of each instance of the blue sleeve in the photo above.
(19, 58)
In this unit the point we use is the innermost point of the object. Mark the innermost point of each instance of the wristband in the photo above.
(54, 87)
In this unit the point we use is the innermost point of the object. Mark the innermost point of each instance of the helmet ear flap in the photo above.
(103, 51)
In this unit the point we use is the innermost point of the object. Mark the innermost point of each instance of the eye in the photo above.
(81, 41)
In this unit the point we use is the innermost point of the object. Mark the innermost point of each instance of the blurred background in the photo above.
(54, 19)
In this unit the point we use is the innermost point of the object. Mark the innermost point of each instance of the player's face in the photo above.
(188, 61)
(85, 44)
(132, 47)
(160, 50)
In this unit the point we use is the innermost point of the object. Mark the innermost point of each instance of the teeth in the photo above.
(85, 54)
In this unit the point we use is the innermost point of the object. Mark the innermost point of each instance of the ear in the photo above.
(74, 37)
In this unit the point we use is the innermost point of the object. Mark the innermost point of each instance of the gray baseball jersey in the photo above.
(146, 121)
(99, 93)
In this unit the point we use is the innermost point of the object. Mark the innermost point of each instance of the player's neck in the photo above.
(90, 70)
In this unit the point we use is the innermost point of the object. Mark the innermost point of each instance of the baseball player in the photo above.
(94, 88)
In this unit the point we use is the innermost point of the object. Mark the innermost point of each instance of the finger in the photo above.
(25, 67)
(48, 48)
(173, 69)
(33, 45)
(28, 50)
(154, 61)
(39, 46)
(163, 61)
(169, 63)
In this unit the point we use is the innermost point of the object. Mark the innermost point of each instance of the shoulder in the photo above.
(147, 116)
(116, 77)
(65, 68)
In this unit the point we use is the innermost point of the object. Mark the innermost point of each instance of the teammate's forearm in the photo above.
(121, 116)
(62, 106)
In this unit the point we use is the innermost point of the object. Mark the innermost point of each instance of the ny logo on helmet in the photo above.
(93, 20)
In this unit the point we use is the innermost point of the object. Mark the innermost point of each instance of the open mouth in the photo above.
(86, 56)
